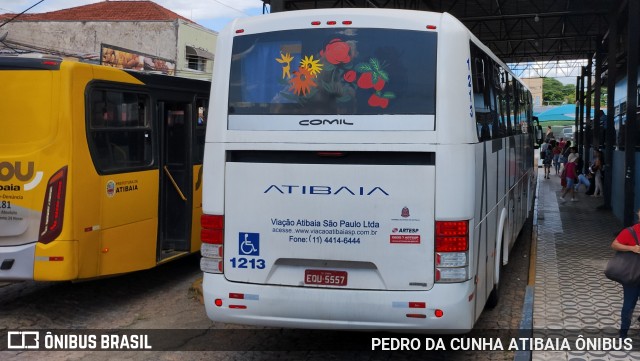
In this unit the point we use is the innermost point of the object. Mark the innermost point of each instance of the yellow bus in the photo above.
(100, 168)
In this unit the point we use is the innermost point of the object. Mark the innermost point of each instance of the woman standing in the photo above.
(549, 134)
(596, 168)
(570, 175)
(626, 242)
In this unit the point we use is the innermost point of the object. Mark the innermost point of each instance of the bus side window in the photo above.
(200, 129)
(481, 98)
(119, 131)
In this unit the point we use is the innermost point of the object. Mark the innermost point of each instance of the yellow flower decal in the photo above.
(285, 59)
(302, 82)
(313, 66)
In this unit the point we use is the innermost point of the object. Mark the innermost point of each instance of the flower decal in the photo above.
(332, 76)
(337, 52)
(313, 66)
(374, 76)
(350, 76)
(302, 82)
(286, 69)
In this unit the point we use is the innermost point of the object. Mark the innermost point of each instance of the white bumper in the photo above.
(298, 307)
(21, 259)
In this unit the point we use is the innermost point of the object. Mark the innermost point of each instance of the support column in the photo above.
(581, 132)
(632, 105)
(611, 91)
(576, 122)
(588, 127)
(276, 5)
(597, 98)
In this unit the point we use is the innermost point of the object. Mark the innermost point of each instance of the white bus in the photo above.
(364, 169)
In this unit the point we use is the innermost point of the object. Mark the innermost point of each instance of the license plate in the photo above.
(324, 277)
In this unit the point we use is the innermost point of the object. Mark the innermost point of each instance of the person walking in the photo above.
(548, 157)
(557, 151)
(626, 242)
(565, 154)
(570, 175)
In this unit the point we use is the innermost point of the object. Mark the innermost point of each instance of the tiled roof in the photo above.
(105, 11)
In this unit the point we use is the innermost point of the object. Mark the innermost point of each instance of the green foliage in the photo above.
(556, 93)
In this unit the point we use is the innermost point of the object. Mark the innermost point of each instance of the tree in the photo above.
(554, 92)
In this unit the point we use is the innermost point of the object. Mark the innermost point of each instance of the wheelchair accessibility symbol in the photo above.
(249, 244)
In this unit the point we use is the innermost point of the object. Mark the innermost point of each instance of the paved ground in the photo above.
(571, 291)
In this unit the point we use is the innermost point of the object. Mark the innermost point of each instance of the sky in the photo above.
(212, 14)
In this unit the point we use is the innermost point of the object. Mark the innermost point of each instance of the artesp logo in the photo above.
(21, 340)
(16, 170)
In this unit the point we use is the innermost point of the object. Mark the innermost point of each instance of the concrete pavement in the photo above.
(571, 291)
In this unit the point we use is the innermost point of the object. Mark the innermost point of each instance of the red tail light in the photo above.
(452, 236)
(212, 229)
(52, 217)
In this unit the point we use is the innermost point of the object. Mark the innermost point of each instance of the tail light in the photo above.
(52, 217)
(452, 251)
(212, 249)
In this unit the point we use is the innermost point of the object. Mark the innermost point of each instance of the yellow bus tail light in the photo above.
(53, 208)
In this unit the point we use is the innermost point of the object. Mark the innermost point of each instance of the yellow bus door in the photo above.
(176, 196)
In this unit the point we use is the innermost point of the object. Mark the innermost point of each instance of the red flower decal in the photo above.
(376, 101)
(379, 84)
(336, 52)
(365, 81)
(350, 76)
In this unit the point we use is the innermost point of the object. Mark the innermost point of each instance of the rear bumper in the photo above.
(20, 259)
(315, 308)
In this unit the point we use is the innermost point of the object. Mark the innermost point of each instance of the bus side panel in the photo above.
(129, 222)
(129, 247)
(86, 192)
(56, 261)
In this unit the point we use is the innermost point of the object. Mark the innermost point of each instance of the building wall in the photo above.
(163, 39)
(197, 36)
(535, 85)
(157, 38)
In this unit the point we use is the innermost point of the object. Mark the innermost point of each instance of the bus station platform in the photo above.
(571, 293)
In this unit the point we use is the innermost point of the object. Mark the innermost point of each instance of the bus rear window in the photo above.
(333, 71)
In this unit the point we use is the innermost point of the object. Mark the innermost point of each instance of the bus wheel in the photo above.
(494, 296)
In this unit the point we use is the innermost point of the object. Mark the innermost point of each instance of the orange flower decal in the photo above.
(302, 82)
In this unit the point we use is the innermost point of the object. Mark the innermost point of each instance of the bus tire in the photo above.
(494, 296)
